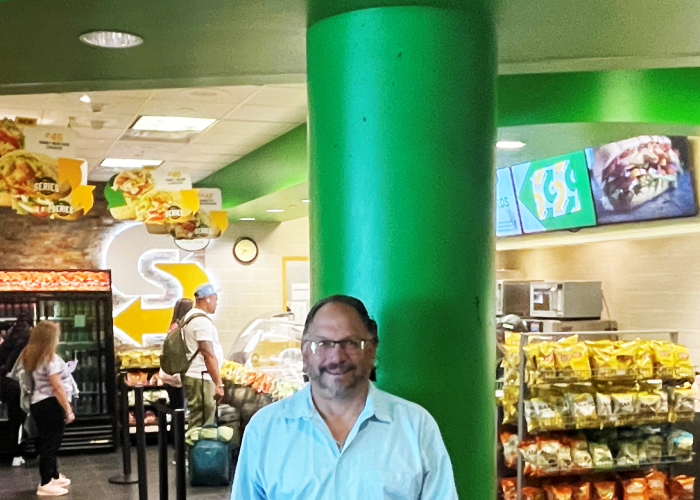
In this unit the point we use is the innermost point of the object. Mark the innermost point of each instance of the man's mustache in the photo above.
(342, 367)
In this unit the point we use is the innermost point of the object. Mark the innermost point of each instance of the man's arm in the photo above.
(246, 480)
(438, 477)
(206, 349)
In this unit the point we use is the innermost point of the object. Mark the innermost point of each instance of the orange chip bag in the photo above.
(605, 490)
(582, 491)
(531, 493)
(656, 485)
(682, 488)
(635, 489)
(559, 492)
(509, 487)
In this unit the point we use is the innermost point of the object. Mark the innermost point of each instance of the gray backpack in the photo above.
(176, 358)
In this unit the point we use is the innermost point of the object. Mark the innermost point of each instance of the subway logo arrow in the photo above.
(135, 321)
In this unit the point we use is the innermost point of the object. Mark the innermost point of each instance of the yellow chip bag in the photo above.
(510, 364)
(683, 366)
(602, 357)
(512, 339)
(546, 363)
(664, 358)
(644, 359)
(579, 361)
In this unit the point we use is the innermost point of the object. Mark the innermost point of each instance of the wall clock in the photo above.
(245, 251)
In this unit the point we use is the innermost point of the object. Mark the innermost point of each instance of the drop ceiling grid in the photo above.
(248, 117)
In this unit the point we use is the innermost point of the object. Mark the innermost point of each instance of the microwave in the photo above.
(566, 299)
(513, 297)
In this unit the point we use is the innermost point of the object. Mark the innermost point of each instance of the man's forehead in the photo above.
(336, 316)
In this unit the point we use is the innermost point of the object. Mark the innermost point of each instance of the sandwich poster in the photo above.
(151, 196)
(642, 178)
(34, 183)
(209, 222)
(554, 193)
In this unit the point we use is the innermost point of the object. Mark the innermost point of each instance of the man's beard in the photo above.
(334, 388)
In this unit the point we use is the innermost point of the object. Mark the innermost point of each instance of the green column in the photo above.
(402, 130)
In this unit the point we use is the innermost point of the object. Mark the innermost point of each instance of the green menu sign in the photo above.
(554, 193)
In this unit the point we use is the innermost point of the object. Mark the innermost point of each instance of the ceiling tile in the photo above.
(234, 132)
(101, 174)
(283, 97)
(145, 150)
(251, 112)
(104, 133)
(289, 85)
(91, 153)
(207, 158)
(26, 113)
(85, 119)
(93, 163)
(93, 144)
(195, 166)
(233, 95)
(189, 109)
(210, 149)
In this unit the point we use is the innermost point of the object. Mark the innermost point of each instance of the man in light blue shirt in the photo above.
(341, 437)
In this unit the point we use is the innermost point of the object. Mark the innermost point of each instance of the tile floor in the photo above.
(90, 473)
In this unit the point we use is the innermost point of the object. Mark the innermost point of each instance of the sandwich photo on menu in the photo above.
(642, 178)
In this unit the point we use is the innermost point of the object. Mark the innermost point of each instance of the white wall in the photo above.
(255, 289)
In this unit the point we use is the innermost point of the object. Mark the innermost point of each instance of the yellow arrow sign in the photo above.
(189, 274)
(135, 321)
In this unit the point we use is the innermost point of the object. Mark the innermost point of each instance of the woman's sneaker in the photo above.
(17, 462)
(51, 490)
(61, 482)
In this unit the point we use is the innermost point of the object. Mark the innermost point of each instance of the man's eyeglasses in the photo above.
(350, 346)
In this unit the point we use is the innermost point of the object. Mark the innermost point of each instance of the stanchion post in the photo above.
(180, 470)
(163, 453)
(141, 444)
(127, 477)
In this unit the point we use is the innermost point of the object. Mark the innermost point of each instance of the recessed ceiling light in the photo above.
(111, 39)
(510, 144)
(172, 124)
(85, 98)
(304, 201)
(247, 218)
(275, 210)
(129, 163)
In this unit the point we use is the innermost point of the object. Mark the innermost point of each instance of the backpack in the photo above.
(175, 358)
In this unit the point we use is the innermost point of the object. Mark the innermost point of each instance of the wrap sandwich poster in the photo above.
(209, 222)
(38, 184)
(157, 197)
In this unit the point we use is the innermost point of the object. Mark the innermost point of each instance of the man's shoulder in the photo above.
(276, 412)
(401, 409)
(202, 318)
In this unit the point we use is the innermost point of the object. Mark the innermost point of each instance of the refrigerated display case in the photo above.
(85, 317)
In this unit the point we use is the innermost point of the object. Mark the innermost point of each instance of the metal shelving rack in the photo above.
(526, 338)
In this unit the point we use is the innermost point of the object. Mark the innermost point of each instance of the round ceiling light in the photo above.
(111, 39)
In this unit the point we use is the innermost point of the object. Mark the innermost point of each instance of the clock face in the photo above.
(245, 251)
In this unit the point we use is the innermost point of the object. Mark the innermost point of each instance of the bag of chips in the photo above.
(656, 485)
(558, 492)
(683, 399)
(628, 454)
(546, 362)
(601, 454)
(548, 454)
(683, 366)
(635, 489)
(581, 491)
(649, 403)
(603, 405)
(509, 488)
(531, 493)
(528, 449)
(624, 404)
(510, 448)
(664, 358)
(626, 354)
(602, 358)
(644, 360)
(651, 449)
(511, 365)
(682, 488)
(680, 445)
(605, 490)
(581, 405)
(509, 401)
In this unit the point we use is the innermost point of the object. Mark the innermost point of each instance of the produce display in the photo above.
(136, 379)
(609, 449)
(655, 485)
(140, 358)
(55, 281)
(260, 382)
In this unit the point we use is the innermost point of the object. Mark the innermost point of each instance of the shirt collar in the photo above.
(300, 405)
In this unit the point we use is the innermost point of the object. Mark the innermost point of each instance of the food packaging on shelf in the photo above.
(656, 484)
(635, 489)
(605, 490)
(682, 488)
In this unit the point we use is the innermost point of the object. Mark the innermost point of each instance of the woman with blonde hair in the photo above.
(53, 389)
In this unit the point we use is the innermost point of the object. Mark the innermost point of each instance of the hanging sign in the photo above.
(52, 141)
(151, 196)
(39, 184)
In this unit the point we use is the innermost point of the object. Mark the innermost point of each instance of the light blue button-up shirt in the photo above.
(394, 451)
